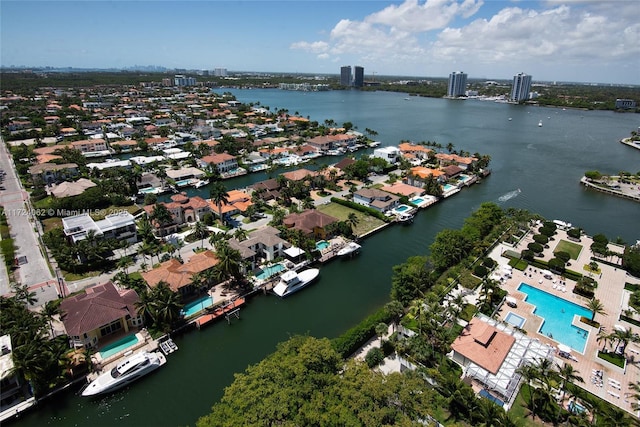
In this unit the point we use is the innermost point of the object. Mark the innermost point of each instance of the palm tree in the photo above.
(605, 337)
(201, 231)
(49, 310)
(568, 375)
(240, 234)
(381, 330)
(166, 306)
(635, 387)
(219, 196)
(625, 337)
(229, 260)
(352, 220)
(124, 263)
(217, 238)
(23, 294)
(596, 307)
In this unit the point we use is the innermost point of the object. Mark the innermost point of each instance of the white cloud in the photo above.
(315, 47)
(432, 14)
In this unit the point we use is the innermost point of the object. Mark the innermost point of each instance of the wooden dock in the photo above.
(226, 310)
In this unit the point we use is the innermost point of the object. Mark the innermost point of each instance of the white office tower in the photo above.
(521, 87)
(457, 84)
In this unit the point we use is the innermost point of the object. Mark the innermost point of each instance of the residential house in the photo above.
(71, 188)
(13, 388)
(223, 162)
(179, 276)
(268, 189)
(452, 171)
(90, 145)
(184, 173)
(402, 189)
(322, 142)
(237, 202)
(118, 226)
(390, 154)
(376, 199)
(183, 209)
(99, 311)
(299, 174)
(419, 175)
(49, 173)
(454, 159)
(263, 245)
(310, 222)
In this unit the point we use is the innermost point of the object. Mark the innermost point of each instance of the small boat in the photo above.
(201, 183)
(291, 281)
(510, 119)
(540, 123)
(405, 218)
(168, 346)
(351, 248)
(124, 373)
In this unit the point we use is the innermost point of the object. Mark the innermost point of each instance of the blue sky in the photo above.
(575, 40)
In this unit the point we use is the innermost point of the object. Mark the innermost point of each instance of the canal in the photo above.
(535, 168)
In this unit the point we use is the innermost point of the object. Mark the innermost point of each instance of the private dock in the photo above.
(229, 310)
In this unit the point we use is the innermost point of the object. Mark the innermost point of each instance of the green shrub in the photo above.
(374, 357)
(489, 262)
(361, 208)
(480, 270)
(541, 238)
(357, 336)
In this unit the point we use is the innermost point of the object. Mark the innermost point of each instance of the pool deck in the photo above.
(614, 385)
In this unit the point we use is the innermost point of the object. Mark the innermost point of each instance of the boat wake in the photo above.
(508, 196)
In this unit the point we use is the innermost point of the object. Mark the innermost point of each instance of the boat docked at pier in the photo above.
(201, 183)
(124, 373)
(291, 281)
(350, 249)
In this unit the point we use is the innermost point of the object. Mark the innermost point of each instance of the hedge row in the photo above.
(347, 343)
(361, 208)
(609, 263)
(569, 274)
(7, 246)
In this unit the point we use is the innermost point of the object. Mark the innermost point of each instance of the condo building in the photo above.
(457, 84)
(521, 87)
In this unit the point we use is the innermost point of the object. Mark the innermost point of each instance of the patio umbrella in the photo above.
(564, 348)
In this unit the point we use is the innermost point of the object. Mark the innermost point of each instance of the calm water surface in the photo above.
(544, 163)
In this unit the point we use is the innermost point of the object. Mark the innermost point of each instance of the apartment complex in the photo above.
(521, 87)
(457, 84)
(345, 75)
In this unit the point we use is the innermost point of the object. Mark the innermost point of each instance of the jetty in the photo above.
(228, 310)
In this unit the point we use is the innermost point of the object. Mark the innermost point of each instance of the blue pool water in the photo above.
(515, 320)
(183, 182)
(417, 200)
(118, 346)
(322, 244)
(484, 393)
(402, 208)
(266, 272)
(448, 187)
(558, 315)
(197, 305)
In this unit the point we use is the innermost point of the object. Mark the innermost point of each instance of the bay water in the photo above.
(534, 168)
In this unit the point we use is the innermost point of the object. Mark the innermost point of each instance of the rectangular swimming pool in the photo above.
(272, 270)
(197, 306)
(118, 346)
(558, 316)
(515, 320)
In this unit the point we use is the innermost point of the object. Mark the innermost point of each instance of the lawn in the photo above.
(365, 224)
(616, 359)
(573, 249)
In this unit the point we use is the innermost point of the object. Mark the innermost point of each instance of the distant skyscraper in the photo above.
(457, 84)
(220, 72)
(345, 75)
(358, 76)
(521, 87)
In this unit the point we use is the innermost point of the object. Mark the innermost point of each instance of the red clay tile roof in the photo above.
(98, 306)
(178, 275)
(308, 220)
(484, 345)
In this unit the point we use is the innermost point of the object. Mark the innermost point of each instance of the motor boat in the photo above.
(201, 183)
(540, 123)
(404, 218)
(291, 281)
(349, 249)
(124, 373)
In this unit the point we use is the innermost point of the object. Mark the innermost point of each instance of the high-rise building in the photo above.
(457, 84)
(358, 76)
(181, 80)
(220, 72)
(521, 87)
(345, 75)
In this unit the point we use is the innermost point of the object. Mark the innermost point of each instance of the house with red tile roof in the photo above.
(454, 159)
(223, 162)
(323, 142)
(90, 145)
(183, 210)
(237, 202)
(179, 276)
(402, 189)
(299, 174)
(98, 312)
(419, 175)
(311, 222)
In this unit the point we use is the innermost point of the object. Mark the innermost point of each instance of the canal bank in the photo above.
(544, 163)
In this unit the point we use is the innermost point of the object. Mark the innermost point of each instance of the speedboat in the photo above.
(540, 123)
(350, 248)
(201, 183)
(124, 373)
(405, 218)
(291, 281)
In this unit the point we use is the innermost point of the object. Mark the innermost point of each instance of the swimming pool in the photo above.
(558, 315)
(118, 346)
(402, 208)
(183, 182)
(266, 272)
(322, 244)
(417, 200)
(448, 187)
(196, 306)
(515, 320)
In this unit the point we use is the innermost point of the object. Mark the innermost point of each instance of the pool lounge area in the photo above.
(403, 209)
(266, 272)
(558, 315)
(423, 201)
(322, 244)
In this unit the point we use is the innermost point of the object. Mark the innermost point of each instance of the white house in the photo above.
(390, 154)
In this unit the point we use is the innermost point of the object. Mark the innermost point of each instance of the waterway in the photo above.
(543, 163)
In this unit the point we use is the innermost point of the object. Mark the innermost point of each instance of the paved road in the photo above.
(19, 216)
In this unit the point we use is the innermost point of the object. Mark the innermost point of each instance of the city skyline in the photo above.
(554, 41)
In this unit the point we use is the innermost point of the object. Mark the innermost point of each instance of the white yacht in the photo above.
(291, 281)
(125, 372)
(201, 183)
(349, 249)
(540, 123)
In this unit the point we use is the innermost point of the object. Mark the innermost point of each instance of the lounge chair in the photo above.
(564, 289)
(555, 286)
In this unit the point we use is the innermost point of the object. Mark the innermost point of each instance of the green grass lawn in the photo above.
(573, 249)
(365, 224)
(616, 359)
